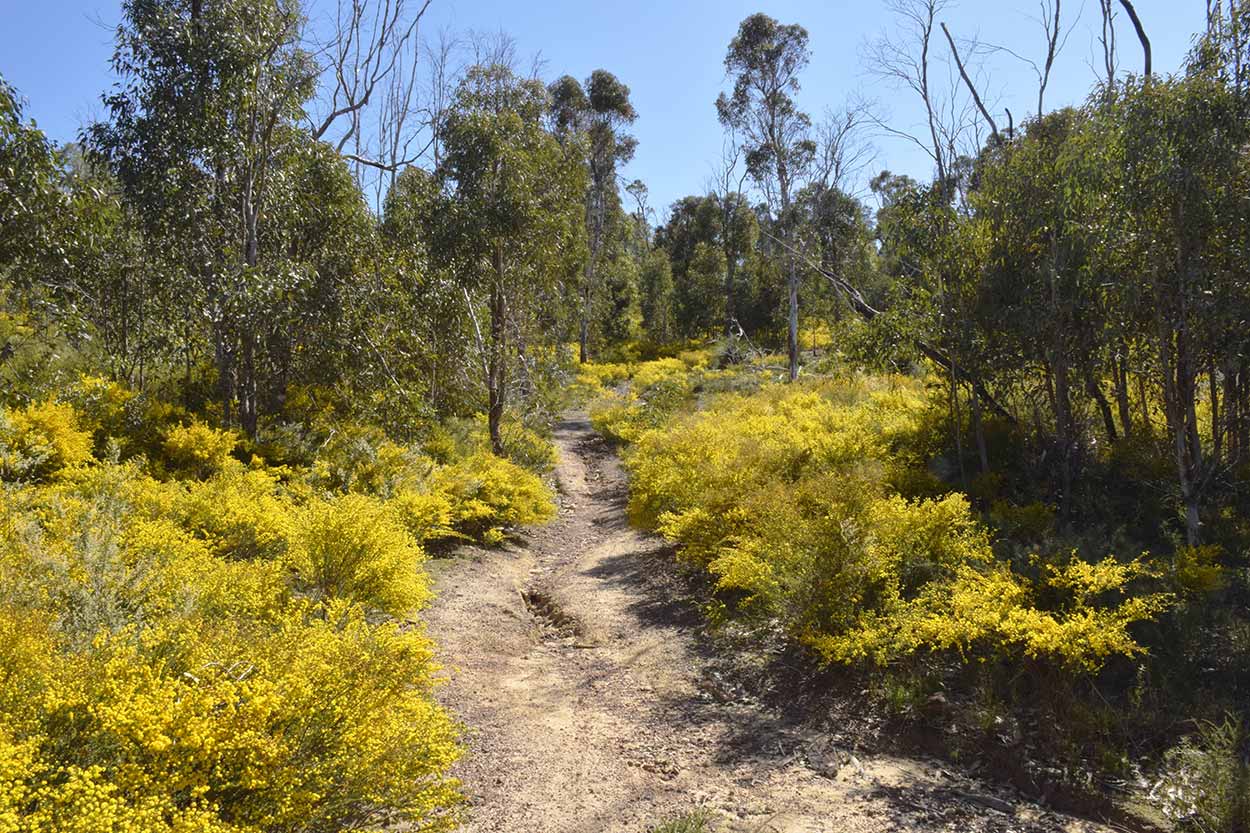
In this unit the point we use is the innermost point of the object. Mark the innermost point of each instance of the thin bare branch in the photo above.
(963, 73)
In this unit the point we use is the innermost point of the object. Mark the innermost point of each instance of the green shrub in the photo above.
(696, 821)
(1205, 784)
(364, 460)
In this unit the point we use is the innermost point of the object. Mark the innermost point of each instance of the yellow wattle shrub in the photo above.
(786, 497)
(189, 644)
(487, 493)
(197, 449)
(353, 547)
(163, 667)
(41, 440)
(240, 512)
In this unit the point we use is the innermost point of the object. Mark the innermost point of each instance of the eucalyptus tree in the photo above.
(597, 111)
(201, 127)
(1182, 184)
(29, 176)
(34, 303)
(656, 291)
(764, 60)
(509, 217)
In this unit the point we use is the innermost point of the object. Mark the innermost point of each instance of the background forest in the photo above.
(300, 310)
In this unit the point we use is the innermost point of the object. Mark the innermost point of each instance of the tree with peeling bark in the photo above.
(764, 61)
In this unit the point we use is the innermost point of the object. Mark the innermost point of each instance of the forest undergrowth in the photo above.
(827, 516)
(200, 632)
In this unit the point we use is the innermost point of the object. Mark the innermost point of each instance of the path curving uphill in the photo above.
(592, 704)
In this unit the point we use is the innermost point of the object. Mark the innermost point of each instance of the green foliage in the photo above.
(1205, 784)
(696, 821)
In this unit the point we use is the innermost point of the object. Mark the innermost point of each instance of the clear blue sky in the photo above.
(671, 54)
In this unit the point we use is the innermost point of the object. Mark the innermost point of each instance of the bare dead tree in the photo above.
(843, 151)
(905, 60)
(972, 90)
(1055, 37)
(373, 43)
(440, 82)
(397, 140)
(1052, 28)
(1107, 39)
(493, 49)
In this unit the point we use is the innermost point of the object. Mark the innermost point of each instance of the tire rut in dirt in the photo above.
(553, 623)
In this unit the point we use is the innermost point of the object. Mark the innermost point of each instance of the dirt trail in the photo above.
(593, 705)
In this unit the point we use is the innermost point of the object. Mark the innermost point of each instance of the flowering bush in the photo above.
(787, 498)
(208, 651)
(41, 440)
(353, 547)
(197, 449)
(487, 493)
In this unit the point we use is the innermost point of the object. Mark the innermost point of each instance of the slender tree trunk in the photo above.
(1217, 424)
(1174, 372)
(249, 411)
(792, 277)
(248, 389)
(583, 333)
(792, 284)
(978, 429)
(957, 427)
(496, 382)
(1104, 407)
(1066, 430)
(1119, 369)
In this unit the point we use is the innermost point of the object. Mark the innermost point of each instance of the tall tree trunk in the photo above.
(249, 411)
(1119, 369)
(792, 285)
(1065, 428)
(1104, 407)
(792, 275)
(1175, 372)
(223, 352)
(496, 381)
(583, 333)
(978, 429)
(249, 416)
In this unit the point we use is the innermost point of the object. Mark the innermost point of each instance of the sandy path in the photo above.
(593, 706)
